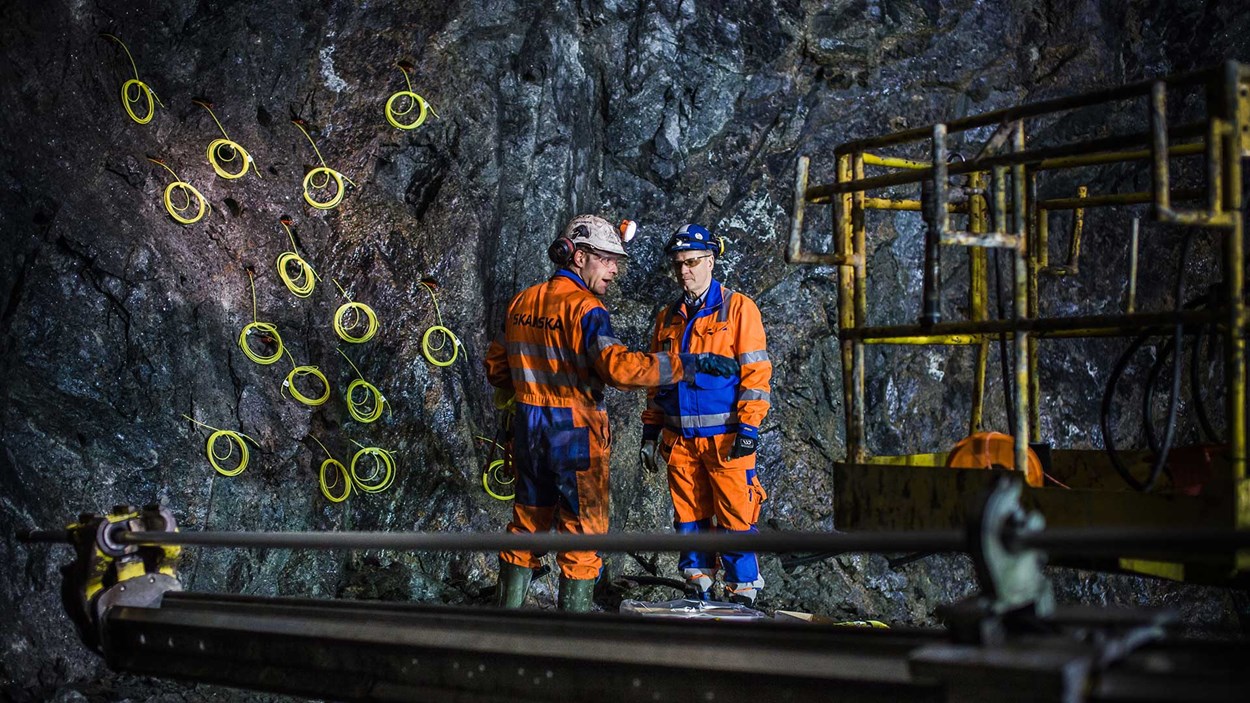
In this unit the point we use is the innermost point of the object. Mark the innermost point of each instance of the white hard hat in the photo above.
(597, 233)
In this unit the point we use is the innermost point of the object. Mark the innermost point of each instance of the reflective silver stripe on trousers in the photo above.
(545, 378)
(695, 421)
(752, 357)
(752, 394)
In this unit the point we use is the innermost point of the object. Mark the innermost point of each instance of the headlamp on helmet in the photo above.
(694, 237)
(628, 229)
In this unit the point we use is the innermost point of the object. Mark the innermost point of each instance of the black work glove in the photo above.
(716, 365)
(743, 446)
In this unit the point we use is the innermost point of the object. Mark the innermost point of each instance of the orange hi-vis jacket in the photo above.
(728, 324)
(558, 349)
(557, 353)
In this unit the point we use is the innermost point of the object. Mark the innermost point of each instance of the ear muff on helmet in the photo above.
(561, 251)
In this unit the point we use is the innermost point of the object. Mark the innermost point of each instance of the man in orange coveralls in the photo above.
(556, 353)
(707, 431)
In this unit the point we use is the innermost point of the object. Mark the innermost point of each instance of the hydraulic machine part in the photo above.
(107, 574)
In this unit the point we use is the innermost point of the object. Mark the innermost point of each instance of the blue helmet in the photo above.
(694, 237)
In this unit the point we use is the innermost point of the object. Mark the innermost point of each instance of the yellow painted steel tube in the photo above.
(1033, 254)
(844, 234)
(861, 307)
(888, 204)
(1021, 430)
(930, 339)
(978, 297)
(1078, 226)
(1100, 148)
(895, 162)
(1235, 100)
(1138, 198)
(1112, 157)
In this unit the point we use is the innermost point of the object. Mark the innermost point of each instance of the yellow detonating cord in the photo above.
(187, 191)
(267, 332)
(370, 408)
(497, 473)
(446, 335)
(414, 100)
(224, 150)
(310, 178)
(352, 315)
(235, 439)
(340, 474)
(302, 283)
(142, 90)
(297, 372)
(383, 463)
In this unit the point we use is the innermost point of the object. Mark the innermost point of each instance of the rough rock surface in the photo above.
(117, 321)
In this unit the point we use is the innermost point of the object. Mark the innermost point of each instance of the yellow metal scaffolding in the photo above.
(1000, 208)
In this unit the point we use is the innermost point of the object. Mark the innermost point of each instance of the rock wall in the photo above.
(117, 321)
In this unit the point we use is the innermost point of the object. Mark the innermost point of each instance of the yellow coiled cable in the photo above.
(340, 474)
(352, 315)
(323, 170)
(263, 329)
(371, 408)
(225, 150)
(187, 191)
(143, 90)
(383, 462)
(414, 100)
(235, 439)
(497, 473)
(298, 371)
(427, 348)
(301, 284)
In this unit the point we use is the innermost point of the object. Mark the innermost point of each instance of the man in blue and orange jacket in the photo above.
(706, 431)
(557, 353)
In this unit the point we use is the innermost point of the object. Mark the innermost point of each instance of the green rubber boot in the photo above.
(514, 581)
(576, 595)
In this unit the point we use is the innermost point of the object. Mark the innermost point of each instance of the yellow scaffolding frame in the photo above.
(1002, 182)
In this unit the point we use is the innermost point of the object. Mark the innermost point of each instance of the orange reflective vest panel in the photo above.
(558, 349)
(728, 324)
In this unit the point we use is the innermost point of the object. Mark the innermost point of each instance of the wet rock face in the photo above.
(117, 321)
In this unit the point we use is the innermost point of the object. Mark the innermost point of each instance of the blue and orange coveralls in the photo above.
(557, 353)
(696, 423)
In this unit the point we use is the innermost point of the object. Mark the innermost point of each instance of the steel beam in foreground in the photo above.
(362, 651)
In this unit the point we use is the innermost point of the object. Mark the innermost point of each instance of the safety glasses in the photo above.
(606, 259)
(688, 263)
